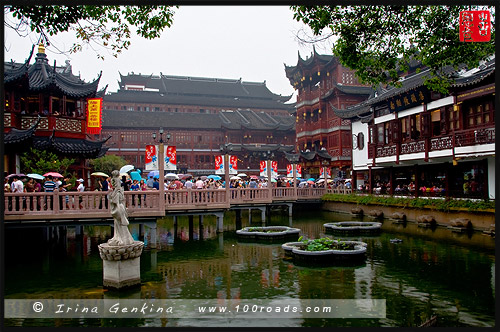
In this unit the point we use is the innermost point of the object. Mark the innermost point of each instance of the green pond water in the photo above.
(431, 272)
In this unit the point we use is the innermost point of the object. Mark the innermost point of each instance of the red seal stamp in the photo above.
(475, 26)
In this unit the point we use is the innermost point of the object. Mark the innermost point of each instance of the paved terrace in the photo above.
(46, 206)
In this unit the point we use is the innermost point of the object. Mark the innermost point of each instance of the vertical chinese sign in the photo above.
(94, 111)
(475, 26)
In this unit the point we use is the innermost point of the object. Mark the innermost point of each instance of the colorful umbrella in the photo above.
(154, 174)
(126, 168)
(254, 177)
(242, 175)
(235, 177)
(100, 174)
(135, 176)
(19, 175)
(171, 176)
(215, 177)
(36, 176)
(53, 174)
(311, 179)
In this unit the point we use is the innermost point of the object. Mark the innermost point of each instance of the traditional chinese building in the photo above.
(201, 115)
(323, 138)
(45, 108)
(439, 144)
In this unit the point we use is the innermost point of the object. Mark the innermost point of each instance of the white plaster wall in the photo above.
(384, 118)
(491, 177)
(440, 102)
(360, 157)
(475, 149)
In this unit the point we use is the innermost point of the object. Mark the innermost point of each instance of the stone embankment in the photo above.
(480, 221)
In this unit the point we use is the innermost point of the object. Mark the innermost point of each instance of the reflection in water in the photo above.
(430, 272)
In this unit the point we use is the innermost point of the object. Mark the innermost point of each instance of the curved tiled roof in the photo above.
(71, 146)
(228, 119)
(309, 62)
(204, 87)
(151, 97)
(14, 71)
(249, 119)
(309, 155)
(41, 76)
(15, 136)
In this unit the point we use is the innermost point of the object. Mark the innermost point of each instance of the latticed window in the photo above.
(479, 113)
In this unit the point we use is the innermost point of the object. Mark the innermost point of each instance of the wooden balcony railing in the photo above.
(469, 137)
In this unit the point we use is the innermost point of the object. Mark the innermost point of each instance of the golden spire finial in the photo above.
(41, 48)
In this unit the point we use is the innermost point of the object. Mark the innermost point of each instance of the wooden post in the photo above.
(161, 167)
(269, 183)
(226, 177)
(294, 172)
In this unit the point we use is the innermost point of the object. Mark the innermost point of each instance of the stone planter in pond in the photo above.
(334, 252)
(353, 227)
(268, 233)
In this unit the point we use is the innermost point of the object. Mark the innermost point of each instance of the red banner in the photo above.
(219, 164)
(233, 163)
(151, 157)
(94, 115)
(171, 158)
(274, 167)
(328, 172)
(262, 166)
(298, 171)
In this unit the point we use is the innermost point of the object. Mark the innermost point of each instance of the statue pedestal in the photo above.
(121, 264)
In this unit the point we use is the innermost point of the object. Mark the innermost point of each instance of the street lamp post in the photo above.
(325, 163)
(294, 159)
(226, 148)
(161, 167)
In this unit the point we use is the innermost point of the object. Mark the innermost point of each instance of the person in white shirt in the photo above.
(199, 184)
(188, 184)
(80, 188)
(17, 187)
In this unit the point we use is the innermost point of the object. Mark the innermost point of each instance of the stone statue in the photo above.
(122, 234)
(121, 255)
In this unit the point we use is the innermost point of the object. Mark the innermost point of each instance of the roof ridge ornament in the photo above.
(41, 48)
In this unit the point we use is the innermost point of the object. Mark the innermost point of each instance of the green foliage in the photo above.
(415, 203)
(378, 41)
(107, 163)
(107, 26)
(325, 243)
(43, 161)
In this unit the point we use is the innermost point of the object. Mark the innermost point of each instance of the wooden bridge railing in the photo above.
(146, 203)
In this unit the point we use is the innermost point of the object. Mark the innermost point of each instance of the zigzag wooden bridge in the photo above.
(58, 206)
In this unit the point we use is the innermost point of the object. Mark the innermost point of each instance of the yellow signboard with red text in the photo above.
(94, 111)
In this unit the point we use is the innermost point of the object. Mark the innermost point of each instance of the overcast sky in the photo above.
(248, 42)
